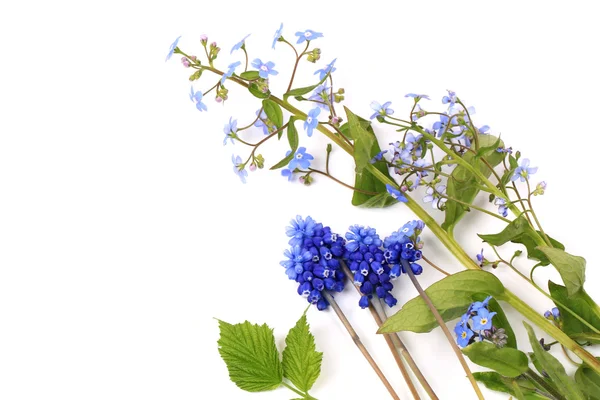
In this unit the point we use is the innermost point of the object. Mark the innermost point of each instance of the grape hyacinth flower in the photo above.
(239, 168)
(307, 35)
(434, 196)
(314, 260)
(404, 245)
(239, 44)
(172, 49)
(523, 171)
(312, 121)
(230, 129)
(278, 34)
(264, 69)
(479, 319)
(395, 193)
(301, 159)
(230, 71)
(196, 97)
(329, 69)
(381, 110)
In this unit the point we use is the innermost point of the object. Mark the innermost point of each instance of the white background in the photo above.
(124, 232)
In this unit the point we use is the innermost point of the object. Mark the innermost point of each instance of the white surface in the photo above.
(123, 230)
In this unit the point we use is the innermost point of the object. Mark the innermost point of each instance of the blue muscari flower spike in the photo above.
(172, 49)
(381, 110)
(417, 97)
(314, 260)
(329, 69)
(312, 120)
(230, 127)
(366, 260)
(239, 168)
(402, 245)
(239, 44)
(307, 35)
(230, 71)
(278, 34)
(301, 159)
(523, 171)
(196, 97)
(395, 193)
(264, 69)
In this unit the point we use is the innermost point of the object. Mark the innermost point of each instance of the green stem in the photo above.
(293, 389)
(542, 384)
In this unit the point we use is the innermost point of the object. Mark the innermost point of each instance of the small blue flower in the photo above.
(307, 36)
(288, 174)
(450, 99)
(239, 168)
(480, 258)
(504, 150)
(239, 44)
(320, 94)
(395, 193)
(463, 333)
(172, 49)
(266, 128)
(329, 69)
(478, 305)
(378, 157)
(196, 97)
(230, 127)
(301, 159)
(435, 196)
(264, 69)
(502, 207)
(381, 110)
(312, 120)
(483, 320)
(278, 34)
(416, 96)
(440, 126)
(523, 171)
(483, 130)
(230, 71)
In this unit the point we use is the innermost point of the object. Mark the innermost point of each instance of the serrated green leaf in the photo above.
(506, 361)
(301, 361)
(252, 88)
(451, 296)
(582, 304)
(520, 231)
(588, 381)
(464, 185)
(363, 141)
(273, 111)
(251, 356)
(292, 135)
(571, 268)
(500, 320)
(250, 75)
(564, 384)
(495, 381)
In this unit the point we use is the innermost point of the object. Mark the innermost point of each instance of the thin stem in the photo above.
(537, 221)
(442, 324)
(253, 122)
(474, 207)
(316, 171)
(566, 353)
(293, 389)
(298, 57)
(246, 54)
(211, 89)
(544, 385)
(397, 347)
(435, 266)
(359, 343)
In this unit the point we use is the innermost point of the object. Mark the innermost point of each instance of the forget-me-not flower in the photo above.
(301, 159)
(277, 34)
(307, 35)
(264, 69)
(239, 168)
(230, 127)
(463, 333)
(417, 96)
(230, 71)
(196, 97)
(239, 44)
(395, 193)
(502, 207)
(329, 69)
(381, 110)
(172, 49)
(483, 319)
(523, 171)
(312, 120)
(450, 99)
(435, 196)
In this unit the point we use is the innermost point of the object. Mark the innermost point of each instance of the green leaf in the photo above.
(464, 185)
(292, 135)
(451, 296)
(520, 231)
(363, 141)
(584, 306)
(485, 150)
(301, 362)
(564, 384)
(274, 113)
(571, 268)
(304, 90)
(499, 383)
(365, 180)
(250, 75)
(588, 381)
(196, 75)
(506, 361)
(256, 92)
(251, 356)
(500, 320)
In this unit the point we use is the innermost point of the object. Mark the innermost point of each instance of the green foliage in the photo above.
(588, 381)
(451, 296)
(571, 268)
(584, 306)
(551, 366)
(304, 90)
(196, 75)
(273, 112)
(464, 185)
(301, 362)
(292, 135)
(363, 141)
(251, 356)
(499, 383)
(506, 361)
(250, 75)
(256, 92)
(520, 231)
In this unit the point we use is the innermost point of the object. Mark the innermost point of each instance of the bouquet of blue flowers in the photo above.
(456, 161)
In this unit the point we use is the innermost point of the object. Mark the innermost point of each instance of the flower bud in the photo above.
(203, 39)
(185, 62)
(252, 167)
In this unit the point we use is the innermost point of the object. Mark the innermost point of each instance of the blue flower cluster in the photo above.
(478, 319)
(404, 244)
(314, 259)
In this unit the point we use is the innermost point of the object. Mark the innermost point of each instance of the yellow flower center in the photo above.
(483, 321)
(464, 335)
